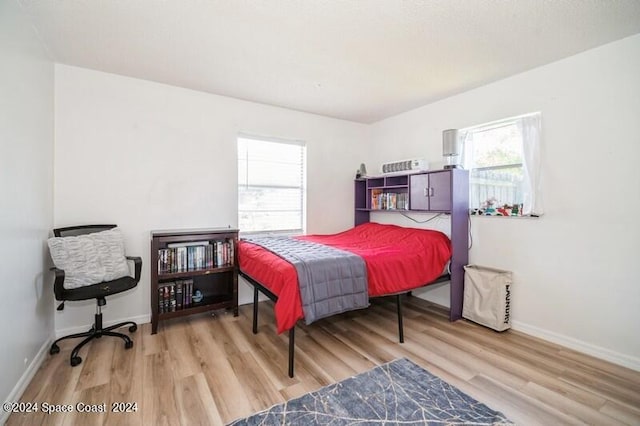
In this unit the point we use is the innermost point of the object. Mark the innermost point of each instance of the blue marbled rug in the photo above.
(399, 392)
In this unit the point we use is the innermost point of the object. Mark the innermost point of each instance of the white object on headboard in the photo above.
(413, 165)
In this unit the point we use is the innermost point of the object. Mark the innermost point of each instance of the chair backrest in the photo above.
(72, 231)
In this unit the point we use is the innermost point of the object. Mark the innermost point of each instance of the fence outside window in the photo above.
(496, 186)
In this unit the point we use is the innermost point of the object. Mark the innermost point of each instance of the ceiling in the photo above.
(359, 60)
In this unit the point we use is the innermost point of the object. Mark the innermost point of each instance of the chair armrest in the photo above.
(137, 261)
(58, 287)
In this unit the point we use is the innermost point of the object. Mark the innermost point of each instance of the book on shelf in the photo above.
(376, 199)
(389, 200)
(166, 299)
(195, 257)
(188, 292)
(219, 259)
(172, 298)
(161, 300)
(179, 299)
(404, 201)
(175, 296)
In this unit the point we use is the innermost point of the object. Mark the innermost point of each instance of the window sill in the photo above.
(500, 216)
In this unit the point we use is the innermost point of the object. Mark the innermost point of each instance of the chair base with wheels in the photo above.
(96, 332)
(99, 292)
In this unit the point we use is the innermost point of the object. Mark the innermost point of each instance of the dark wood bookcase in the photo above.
(200, 259)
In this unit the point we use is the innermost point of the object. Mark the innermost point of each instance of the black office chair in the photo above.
(95, 291)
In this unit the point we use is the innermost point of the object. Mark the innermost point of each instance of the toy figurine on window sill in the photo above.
(487, 206)
(487, 209)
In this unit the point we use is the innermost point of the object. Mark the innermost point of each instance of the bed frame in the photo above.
(459, 214)
(257, 287)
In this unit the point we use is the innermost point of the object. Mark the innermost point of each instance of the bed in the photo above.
(397, 260)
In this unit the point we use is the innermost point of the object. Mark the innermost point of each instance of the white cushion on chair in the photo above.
(91, 258)
(110, 245)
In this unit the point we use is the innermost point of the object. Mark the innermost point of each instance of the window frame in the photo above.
(529, 164)
(303, 185)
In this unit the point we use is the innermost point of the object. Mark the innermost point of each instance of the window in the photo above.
(271, 185)
(503, 162)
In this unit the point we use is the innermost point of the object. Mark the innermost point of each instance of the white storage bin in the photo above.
(487, 296)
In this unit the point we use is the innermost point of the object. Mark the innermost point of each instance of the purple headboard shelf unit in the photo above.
(438, 191)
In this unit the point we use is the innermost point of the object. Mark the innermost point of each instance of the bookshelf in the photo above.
(186, 260)
(384, 193)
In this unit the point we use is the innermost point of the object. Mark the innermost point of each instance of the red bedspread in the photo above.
(398, 259)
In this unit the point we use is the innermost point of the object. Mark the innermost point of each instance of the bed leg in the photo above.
(255, 309)
(291, 347)
(400, 327)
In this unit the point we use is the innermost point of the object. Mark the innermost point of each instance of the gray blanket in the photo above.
(331, 281)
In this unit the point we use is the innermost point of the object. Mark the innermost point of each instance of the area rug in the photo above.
(399, 392)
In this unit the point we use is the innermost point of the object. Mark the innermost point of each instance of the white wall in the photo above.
(26, 172)
(575, 277)
(151, 156)
(133, 152)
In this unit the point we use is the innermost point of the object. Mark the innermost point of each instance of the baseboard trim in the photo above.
(140, 319)
(562, 340)
(26, 377)
(578, 345)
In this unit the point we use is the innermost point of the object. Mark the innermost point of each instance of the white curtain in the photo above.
(466, 137)
(530, 129)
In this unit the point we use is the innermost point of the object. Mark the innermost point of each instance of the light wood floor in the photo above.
(212, 370)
